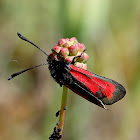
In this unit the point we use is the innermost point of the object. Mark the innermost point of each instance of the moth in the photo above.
(94, 88)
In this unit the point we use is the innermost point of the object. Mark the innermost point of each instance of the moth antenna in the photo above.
(25, 39)
(18, 73)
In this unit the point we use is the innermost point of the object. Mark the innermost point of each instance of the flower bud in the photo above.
(73, 50)
(56, 48)
(69, 58)
(61, 42)
(81, 65)
(66, 45)
(81, 47)
(84, 57)
(85, 66)
(73, 40)
(64, 52)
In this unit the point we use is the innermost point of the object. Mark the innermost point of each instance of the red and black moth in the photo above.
(94, 88)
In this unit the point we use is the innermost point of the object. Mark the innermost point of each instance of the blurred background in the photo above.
(110, 30)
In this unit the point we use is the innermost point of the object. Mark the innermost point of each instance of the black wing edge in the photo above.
(118, 94)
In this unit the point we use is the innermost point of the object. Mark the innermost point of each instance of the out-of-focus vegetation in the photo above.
(110, 30)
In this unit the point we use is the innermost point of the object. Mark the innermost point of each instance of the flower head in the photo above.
(68, 49)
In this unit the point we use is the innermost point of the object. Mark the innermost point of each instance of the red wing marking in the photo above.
(99, 87)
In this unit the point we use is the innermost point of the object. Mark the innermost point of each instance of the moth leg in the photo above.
(73, 61)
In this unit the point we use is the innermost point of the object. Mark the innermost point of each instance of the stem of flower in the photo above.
(63, 109)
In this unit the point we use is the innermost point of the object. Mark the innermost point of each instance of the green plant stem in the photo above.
(63, 109)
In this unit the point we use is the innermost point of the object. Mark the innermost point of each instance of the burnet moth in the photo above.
(94, 88)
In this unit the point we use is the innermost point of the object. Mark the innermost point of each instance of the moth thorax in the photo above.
(58, 70)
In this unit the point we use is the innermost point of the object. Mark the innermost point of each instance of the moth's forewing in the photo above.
(105, 89)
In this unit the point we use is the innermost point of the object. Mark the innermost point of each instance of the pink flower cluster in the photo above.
(68, 49)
